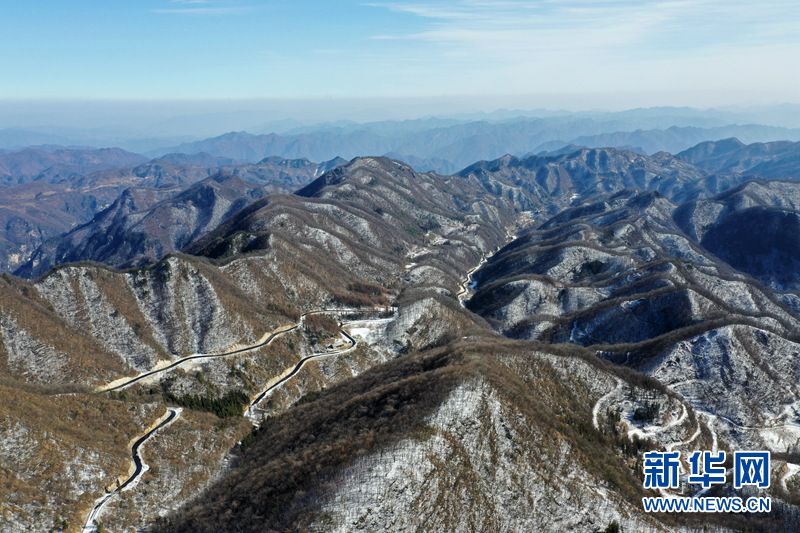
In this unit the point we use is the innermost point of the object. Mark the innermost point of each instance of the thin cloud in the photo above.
(547, 25)
(598, 45)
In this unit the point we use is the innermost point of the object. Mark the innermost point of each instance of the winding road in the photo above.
(114, 386)
(465, 285)
(600, 401)
(139, 468)
(791, 470)
(672, 445)
(292, 371)
(193, 357)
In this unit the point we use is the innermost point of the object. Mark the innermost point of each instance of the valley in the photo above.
(411, 266)
(495, 348)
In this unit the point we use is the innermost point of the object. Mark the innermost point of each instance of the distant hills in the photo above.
(622, 303)
(777, 159)
(446, 149)
(143, 225)
(33, 164)
(755, 227)
(55, 205)
(164, 130)
(51, 189)
(443, 144)
(135, 209)
(51, 201)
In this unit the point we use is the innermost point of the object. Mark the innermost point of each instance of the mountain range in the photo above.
(448, 148)
(41, 208)
(489, 350)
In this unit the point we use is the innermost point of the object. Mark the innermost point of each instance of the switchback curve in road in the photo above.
(139, 468)
(260, 344)
(296, 368)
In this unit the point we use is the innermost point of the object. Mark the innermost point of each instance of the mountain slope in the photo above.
(36, 211)
(619, 276)
(456, 433)
(605, 332)
(675, 139)
(752, 227)
(774, 160)
(141, 228)
(32, 213)
(443, 145)
(31, 164)
(557, 180)
(372, 217)
(614, 274)
(92, 325)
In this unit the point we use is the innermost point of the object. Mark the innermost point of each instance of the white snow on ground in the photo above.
(600, 402)
(672, 445)
(471, 435)
(791, 469)
(374, 329)
(101, 502)
(371, 331)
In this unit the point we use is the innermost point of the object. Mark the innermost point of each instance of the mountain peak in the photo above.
(709, 149)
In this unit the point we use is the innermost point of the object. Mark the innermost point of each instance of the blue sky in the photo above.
(622, 53)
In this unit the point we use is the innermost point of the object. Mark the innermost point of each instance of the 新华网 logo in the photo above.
(663, 470)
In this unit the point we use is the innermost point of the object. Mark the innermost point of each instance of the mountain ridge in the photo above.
(516, 327)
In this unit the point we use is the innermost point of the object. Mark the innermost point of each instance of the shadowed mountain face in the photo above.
(592, 171)
(37, 211)
(612, 280)
(608, 330)
(553, 182)
(774, 160)
(712, 154)
(619, 276)
(762, 241)
(453, 432)
(598, 261)
(369, 214)
(283, 175)
(753, 228)
(323, 251)
(540, 184)
(89, 325)
(140, 227)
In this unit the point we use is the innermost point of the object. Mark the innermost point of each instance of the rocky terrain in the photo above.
(623, 303)
(555, 181)
(751, 227)
(51, 206)
(138, 228)
(61, 164)
(775, 160)
(121, 323)
(619, 276)
(469, 441)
